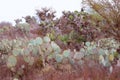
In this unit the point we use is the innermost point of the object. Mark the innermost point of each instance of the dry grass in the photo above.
(91, 70)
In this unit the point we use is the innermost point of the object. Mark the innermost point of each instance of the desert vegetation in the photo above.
(77, 46)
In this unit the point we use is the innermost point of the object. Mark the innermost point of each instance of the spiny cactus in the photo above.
(37, 41)
(55, 47)
(16, 51)
(48, 50)
(12, 61)
(58, 58)
(92, 50)
(66, 53)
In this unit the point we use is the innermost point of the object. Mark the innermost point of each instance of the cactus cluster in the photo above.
(105, 52)
(30, 49)
(47, 49)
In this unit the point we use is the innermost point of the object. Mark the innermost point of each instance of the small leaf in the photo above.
(71, 17)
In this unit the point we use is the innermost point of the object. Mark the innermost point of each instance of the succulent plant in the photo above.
(58, 58)
(55, 47)
(46, 39)
(87, 44)
(12, 61)
(101, 51)
(25, 52)
(48, 50)
(66, 53)
(34, 50)
(16, 51)
(37, 41)
(79, 55)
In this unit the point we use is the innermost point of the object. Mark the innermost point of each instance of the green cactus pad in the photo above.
(12, 61)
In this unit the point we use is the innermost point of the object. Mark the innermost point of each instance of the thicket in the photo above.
(76, 45)
(110, 11)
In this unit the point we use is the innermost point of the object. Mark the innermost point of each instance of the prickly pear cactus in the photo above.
(12, 61)
(45, 49)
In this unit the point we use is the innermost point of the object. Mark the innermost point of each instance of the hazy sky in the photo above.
(13, 9)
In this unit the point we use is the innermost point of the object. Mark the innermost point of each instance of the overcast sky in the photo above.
(13, 9)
